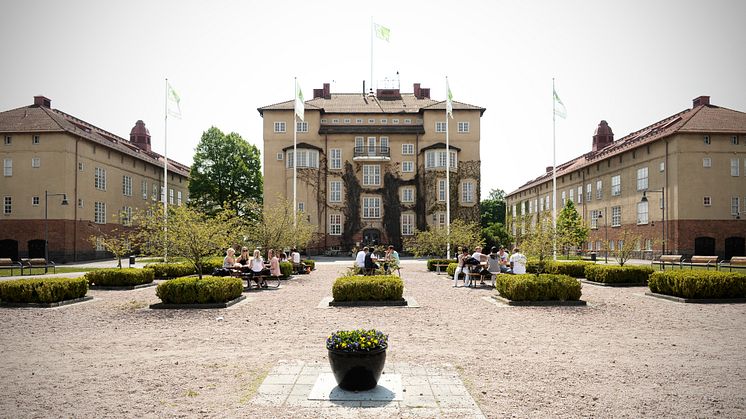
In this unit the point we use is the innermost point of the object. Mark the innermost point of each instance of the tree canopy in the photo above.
(226, 174)
(492, 217)
(275, 229)
(571, 230)
(434, 240)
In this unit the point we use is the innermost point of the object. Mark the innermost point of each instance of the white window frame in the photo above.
(36, 162)
(735, 166)
(35, 200)
(588, 192)
(407, 166)
(154, 192)
(8, 140)
(706, 139)
(359, 144)
(440, 126)
(346, 121)
(580, 194)
(7, 167)
(99, 212)
(407, 121)
(335, 191)
(80, 166)
(662, 166)
(435, 159)
(144, 189)
(463, 127)
(371, 207)
(616, 216)
(335, 158)
(594, 219)
(99, 179)
(302, 206)
(735, 205)
(564, 198)
(707, 201)
(307, 158)
(371, 120)
(35, 139)
(441, 190)
(407, 149)
(467, 192)
(178, 198)
(301, 126)
(734, 139)
(599, 189)
(642, 178)
(127, 185)
(171, 196)
(407, 194)
(335, 224)
(706, 162)
(383, 143)
(7, 205)
(394, 121)
(407, 224)
(335, 121)
(616, 185)
(280, 156)
(126, 216)
(642, 213)
(359, 120)
(384, 121)
(371, 175)
(280, 127)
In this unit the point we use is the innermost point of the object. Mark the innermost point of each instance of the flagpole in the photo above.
(448, 182)
(295, 156)
(554, 173)
(165, 179)
(371, 53)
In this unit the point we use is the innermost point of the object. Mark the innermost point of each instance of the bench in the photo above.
(738, 262)
(673, 260)
(440, 265)
(7, 263)
(706, 261)
(40, 263)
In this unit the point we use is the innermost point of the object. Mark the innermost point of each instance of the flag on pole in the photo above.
(449, 100)
(174, 108)
(559, 107)
(299, 103)
(382, 32)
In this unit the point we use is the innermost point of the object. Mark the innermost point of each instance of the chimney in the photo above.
(549, 169)
(323, 93)
(140, 136)
(388, 94)
(424, 93)
(417, 90)
(603, 136)
(702, 100)
(327, 91)
(42, 101)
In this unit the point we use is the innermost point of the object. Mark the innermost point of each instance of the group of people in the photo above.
(494, 263)
(255, 266)
(366, 261)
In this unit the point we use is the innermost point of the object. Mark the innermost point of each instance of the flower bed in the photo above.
(42, 290)
(119, 277)
(618, 274)
(698, 284)
(193, 290)
(357, 340)
(545, 287)
(368, 288)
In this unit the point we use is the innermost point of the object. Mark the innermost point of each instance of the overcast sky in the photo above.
(630, 62)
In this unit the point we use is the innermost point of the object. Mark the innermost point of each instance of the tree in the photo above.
(226, 173)
(496, 235)
(434, 240)
(626, 246)
(274, 228)
(539, 241)
(571, 231)
(492, 209)
(190, 234)
(118, 242)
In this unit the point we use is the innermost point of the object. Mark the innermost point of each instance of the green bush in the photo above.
(211, 264)
(192, 290)
(367, 288)
(42, 290)
(451, 269)
(432, 262)
(545, 287)
(699, 284)
(610, 274)
(286, 268)
(309, 262)
(172, 270)
(119, 277)
(574, 269)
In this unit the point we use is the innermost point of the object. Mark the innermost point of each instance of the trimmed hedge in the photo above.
(451, 269)
(432, 262)
(618, 274)
(698, 284)
(573, 269)
(119, 277)
(43, 290)
(193, 290)
(172, 270)
(286, 268)
(309, 262)
(545, 287)
(211, 264)
(367, 288)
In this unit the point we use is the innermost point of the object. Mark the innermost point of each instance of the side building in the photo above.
(68, 180)
(371, 167)
(679, 184)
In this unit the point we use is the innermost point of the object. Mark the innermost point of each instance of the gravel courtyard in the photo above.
(625, 355)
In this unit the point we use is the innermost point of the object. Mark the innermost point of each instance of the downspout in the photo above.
(326, 187)
(75, 203)
(666, 203)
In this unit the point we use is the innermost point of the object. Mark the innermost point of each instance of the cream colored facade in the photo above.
(697, 157)
(367, 177)
(104, 177)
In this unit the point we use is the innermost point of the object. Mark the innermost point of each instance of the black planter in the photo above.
(357, 371)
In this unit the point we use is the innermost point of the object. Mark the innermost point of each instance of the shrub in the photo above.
(193, 290)
(699, 284)
(610, 274)
(432, 262)
(172, 270)
(286, 268)
(119, 277)
(43, 290)
(367, 288)
(574, 269)
(210, 264)
(451, 269)
(545, 287)
(309, 262)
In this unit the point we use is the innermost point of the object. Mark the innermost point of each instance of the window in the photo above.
(359, 121)
(279, 126)
(144, 189)
(407, 121)
(35, 162)
(178, 198)
(564, 198)
(8, 205)
(707, 139)
(371, 146)
(335, 160)
(301, 206)
(80, 166)
(463, 127)
(8, 167)
(407, 224)
(620, 244)
(594, 218)
(371, 121)
(347, 120)
(407, 149)
(323, 120)
(649, 245)
(359, 144)
(734, 205)
(467, 192)
(35, 139)
(642, 212)
(303, 126)
(706, 162)
(154, 192)
(572, 195)
(35, 201)
(580, 194)
(642, 179)
(599, 189)
(441, 219)
(280, 156)
(407, 167)
(80, 202)
(126, 186)
(371, 175)
(99, 213)
(335, 191)
(394, 121)
(126, 216)
(384, 121)
(371, 207)
(442, 190)
(8, 140)
(707, 201)
(306, 158)
(163, 194)
(335, 121)
(734, 166)
(616, 216)
(437, 159)
(661, 166)
(335, 224)
(616, 185)
(171, 196)
(99, 179)
(384, 145)
(440, 126)
(734, 140)
(588, 192)
(407, 195)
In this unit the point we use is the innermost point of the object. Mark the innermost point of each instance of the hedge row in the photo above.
(432, 262)
(451, 269)
(610, 274)
(119, 277)
(171, 270)
(43, 290)
(286, 268)
(573, 269)
(545, 287)
(698, 284)
(367, 288)
(192, 290)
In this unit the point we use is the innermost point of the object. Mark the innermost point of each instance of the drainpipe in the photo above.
(75, 203)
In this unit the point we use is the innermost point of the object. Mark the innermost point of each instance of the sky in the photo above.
(630, 62)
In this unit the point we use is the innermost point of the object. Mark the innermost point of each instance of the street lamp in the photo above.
(606, 233)
(46, 219)
(644, 198)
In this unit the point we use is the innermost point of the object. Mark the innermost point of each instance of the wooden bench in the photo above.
(440, 265)
(673, 260)
(706, 261)
(738, 262)
(7, 263)
(40, 263)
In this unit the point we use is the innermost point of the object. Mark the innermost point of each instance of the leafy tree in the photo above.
(434, 240)
(274, 228)
(495, 234)
(539, 240)
(571, 230)
(226, 173)
(630, 243)
(492, 209)
(118, 242)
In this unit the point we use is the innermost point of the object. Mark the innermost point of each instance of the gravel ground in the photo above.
(625, 355)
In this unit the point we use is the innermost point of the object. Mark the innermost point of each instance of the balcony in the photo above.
(372, 153)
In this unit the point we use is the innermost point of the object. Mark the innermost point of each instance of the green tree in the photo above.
(492, 209)
(433, 242)
(496, 235)
(627, 245)
(118, 242)
(226, 173)
(539, 240)
(571, 230)
(275, 229)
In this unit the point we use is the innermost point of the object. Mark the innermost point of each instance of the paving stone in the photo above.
(407, 381)
(275, 389)
(309, 379)
(281, 379)
(301, 390)
(418, 391)
(419, 401)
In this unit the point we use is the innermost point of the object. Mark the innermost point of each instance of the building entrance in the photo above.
(371, 236)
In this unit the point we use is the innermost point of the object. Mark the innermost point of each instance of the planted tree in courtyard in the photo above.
(434, 240)
(493, 216)
(274, 227)
(626, 246)
(538, 242)
(571, 230)
(118, 242)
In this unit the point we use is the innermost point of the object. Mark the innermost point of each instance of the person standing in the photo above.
(518, 262)
(461, 267)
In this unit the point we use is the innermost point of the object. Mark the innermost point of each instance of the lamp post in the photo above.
(46, 219)
(606, 234)
(644, 198)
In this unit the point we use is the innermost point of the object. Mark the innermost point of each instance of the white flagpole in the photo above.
(295, 155)
(448, 183)
(372, 34)
(554, 174)
(165, 180)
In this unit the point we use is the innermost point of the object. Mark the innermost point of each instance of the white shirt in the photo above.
(257, 264)
(360, 259)
(519, 263)
(296, 257)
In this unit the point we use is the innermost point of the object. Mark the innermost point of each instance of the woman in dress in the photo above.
(274, 264)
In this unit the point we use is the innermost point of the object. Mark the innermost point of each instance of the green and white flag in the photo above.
(299, 103)
(559, 107)
(382, 32)
(173, 101)
(449, 100)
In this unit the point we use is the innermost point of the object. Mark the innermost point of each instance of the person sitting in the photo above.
(283, 257)
(461, 267)
(360, 260)
(243, 259)
(230, 260)
(480, 258)
(258, 269)
(274, 264)
(298, 267)
(518, 262)
(391, 259)
(504, 260)
(493, 262)
(370, 265)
